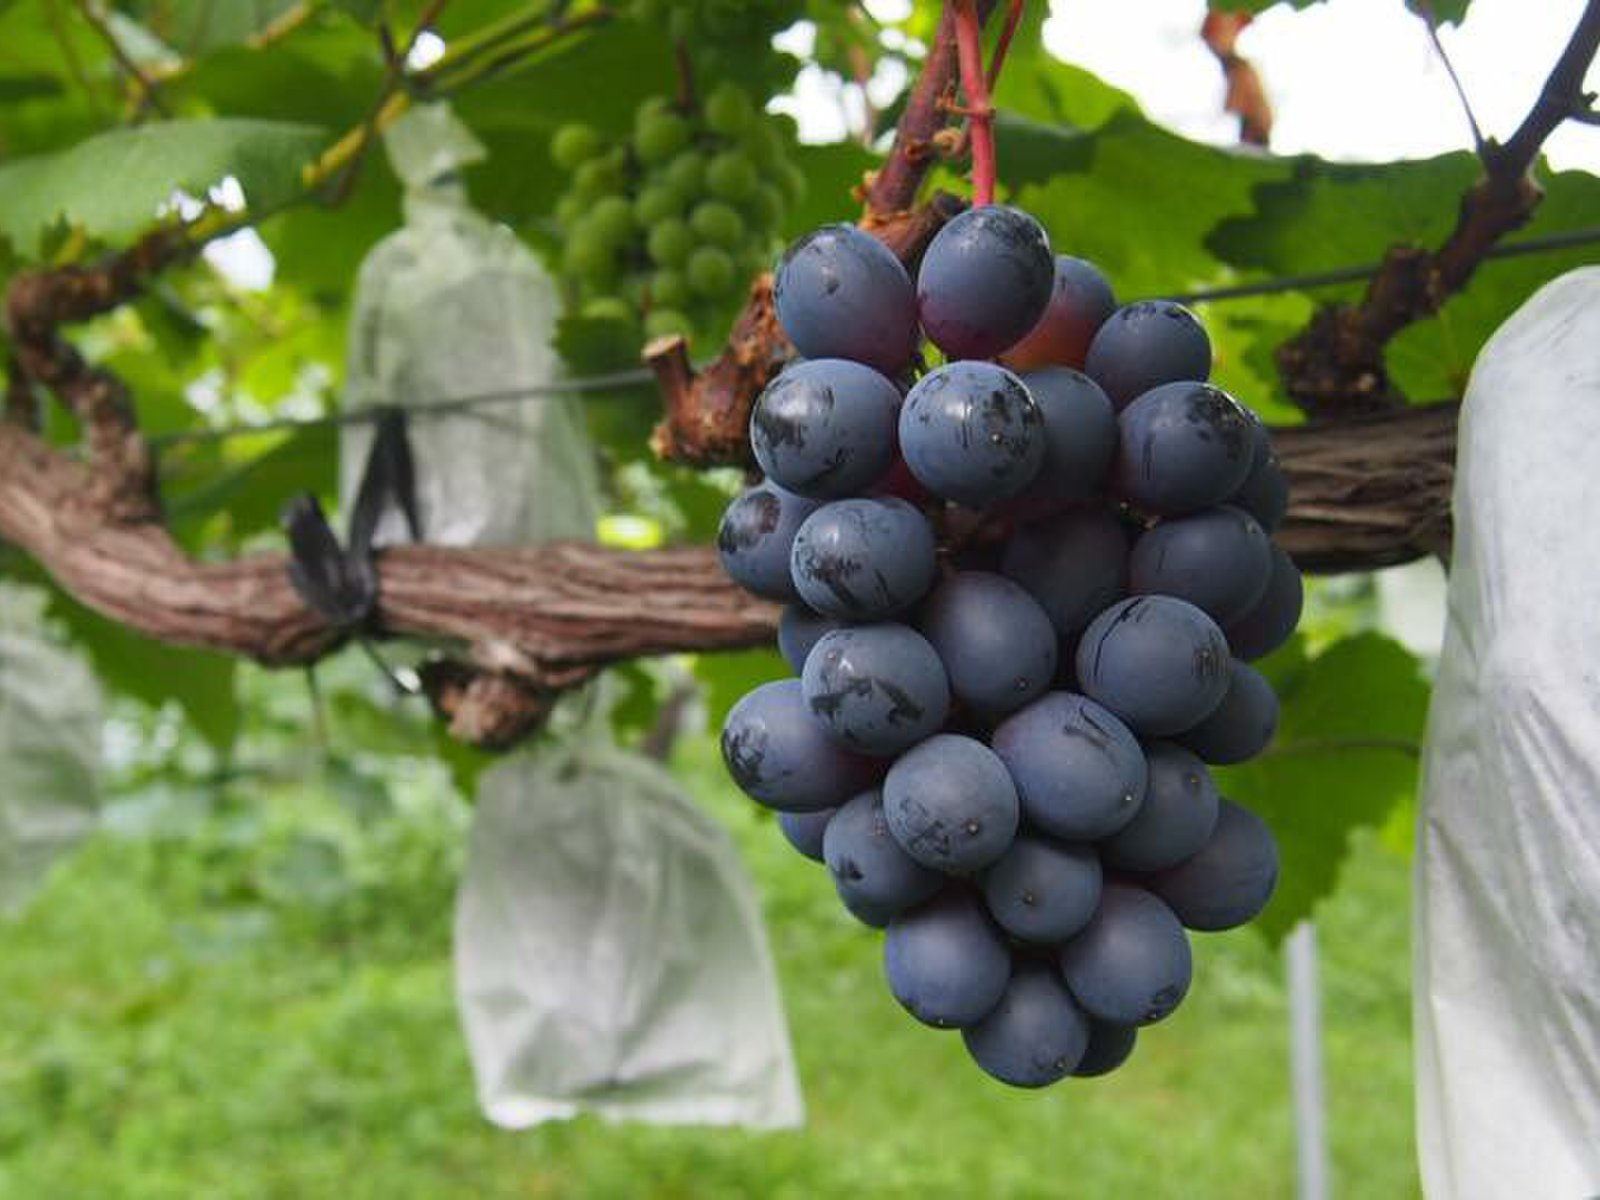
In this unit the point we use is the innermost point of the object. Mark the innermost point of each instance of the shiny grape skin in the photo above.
(876, 689)
(1264, 494)
(1035, 1035)
(799, 629)
(756, 537)
(947, 962)
(870, 870)
(970, 432)
(825, 428)
(951, 804)
(1157, 662)
(1274, 617)
(1177, 816)
(1081, 301)
(1080, 774)
(985, 280)
(1109, 1047)
(779, 756)
(1042, 890)
(1075, 565)
(997, 644)
(1147, 344)
(804, 831)
(841, 293)
(1181, 447)
(1218, 559)
(1132, 963)
(1080, 436)
(864, 559)
(1230, 880)
(1243, 725)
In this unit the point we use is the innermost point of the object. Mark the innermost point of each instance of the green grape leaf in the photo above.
(149, 162)
(598, 343)
(19, 86)
(1040, 87)
(1331, 215)
(195, 26)
(252, 484)
(1143, 207)
(727, 677)
(1346, 755)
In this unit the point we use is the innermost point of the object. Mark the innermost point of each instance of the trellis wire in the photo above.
(638, 375)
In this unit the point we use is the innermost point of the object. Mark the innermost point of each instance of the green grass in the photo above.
(213, 1008)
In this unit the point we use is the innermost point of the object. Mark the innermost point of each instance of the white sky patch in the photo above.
(427, 49)
(1352, 80)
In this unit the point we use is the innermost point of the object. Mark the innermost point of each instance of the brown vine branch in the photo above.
(707, 413)
(122, 479)
(1366, 493)
(1246, 97)
(1335, 366)
(1431, 23)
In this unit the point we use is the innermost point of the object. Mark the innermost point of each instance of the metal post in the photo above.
(1305, 1064)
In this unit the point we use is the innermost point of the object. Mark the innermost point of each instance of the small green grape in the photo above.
(731, 175)
(669, 289)
(687, 173)
(766, 207)
(599, 177)
(792, 180)
(763, 144)
(655, 203)
(665, 322)
(658, 136)
(608, 308)
(587, 258)
(573, 145)
(611, 220)
(728, 109)
(570, 209)
(709, 271)
(670, 243)
(717, 223)
(680, 23)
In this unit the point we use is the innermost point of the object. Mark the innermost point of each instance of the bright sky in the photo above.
(1349, 79)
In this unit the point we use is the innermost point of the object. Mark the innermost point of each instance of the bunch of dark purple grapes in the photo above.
(1022, 588)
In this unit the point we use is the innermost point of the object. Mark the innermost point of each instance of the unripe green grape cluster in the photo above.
(666, 224)
(712, 24)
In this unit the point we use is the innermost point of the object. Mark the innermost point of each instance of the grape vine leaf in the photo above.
(1329, 215)
(727, 677)
(1346, 755)
(148, 162)
(1129, 185)
(195, 26)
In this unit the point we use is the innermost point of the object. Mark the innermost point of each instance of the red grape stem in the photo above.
(980, 115)
(1013, 19)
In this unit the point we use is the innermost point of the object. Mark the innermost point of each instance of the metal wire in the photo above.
(638, 375)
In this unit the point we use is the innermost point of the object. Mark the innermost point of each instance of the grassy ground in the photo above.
(202, 1006)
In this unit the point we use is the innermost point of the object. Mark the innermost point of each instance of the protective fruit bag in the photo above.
(610, 956)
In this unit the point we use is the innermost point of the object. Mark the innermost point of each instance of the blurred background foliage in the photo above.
(240, 986)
